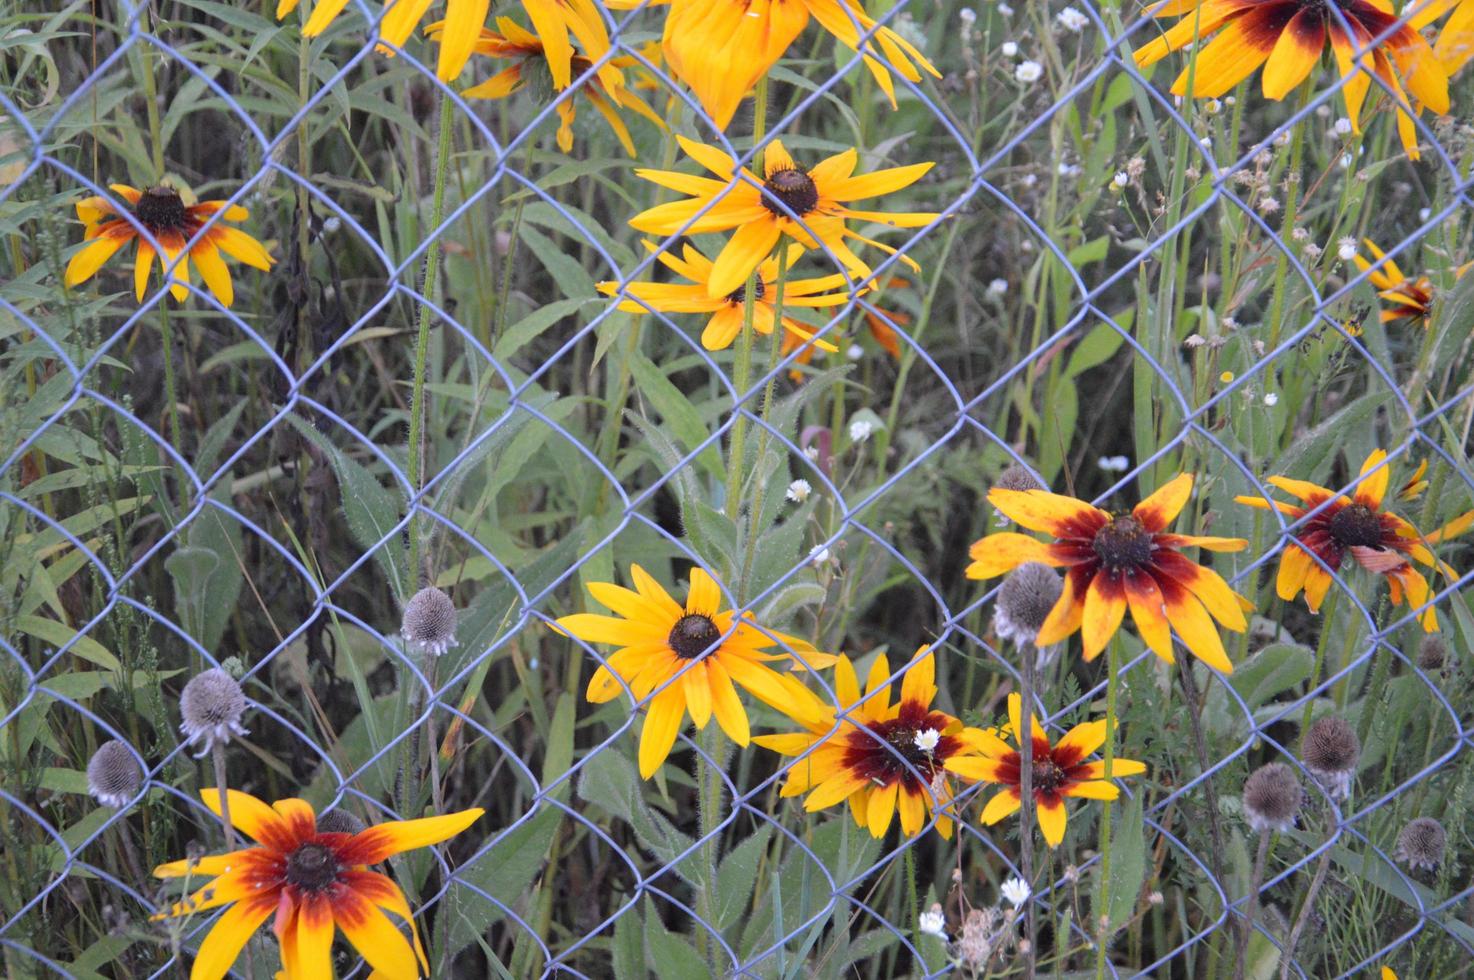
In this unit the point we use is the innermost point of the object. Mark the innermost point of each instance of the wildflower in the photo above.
(1028, 72)
(1272, 797)
(400, 18)
(1118, 561)
(429, 622)
(113, 775)
(1226, 377)
(861, 429)
(1121, 179)
(1114, 464)
(1008, 49)
(1342, 127)
(1059, 771)
(1432, 652)
(1330, 751)
(1376, 538)
(1016, 477)
(720, 48)
(760, 210)
(177, 228)
(1015, 891)
(1288, 37)
(818, 555)
(1455, 44)
(980, 934)
(997, 287)
(926, 740)
(1416, 484)
(1406, 299)
(1271, 399)
(1421, 844)
(1028, 594)
(540, 55)
(729, 311)
(659, 639)
(1005, 9)
(799, 490)
(933, 923)
(868, 751)
(211, 706)
(1071, 20)
(314, 882)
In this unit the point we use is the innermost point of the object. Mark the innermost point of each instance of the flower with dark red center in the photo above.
(878, 756)
(1116, 562)
(314, 882)
(1057, 771)
(175, 226)
(1330, 527)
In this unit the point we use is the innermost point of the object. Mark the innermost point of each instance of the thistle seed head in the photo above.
(1421, 843)
(429, 622)
(113, 775)
(1272, 797)
(212, 705)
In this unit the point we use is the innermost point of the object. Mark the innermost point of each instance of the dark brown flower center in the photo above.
(160, 209)
(1123, 544)
(1356, 525)
(795, 188)
(1048, 777)
(738, 296)
(896, 753)
(693, 635)
(312, 867)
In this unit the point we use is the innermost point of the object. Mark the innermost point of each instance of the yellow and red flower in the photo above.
(1359, 527)
(1056, 771)
(878, 323)
(879, 757)
(818, 197)
(313, 883)
(1406, 299)
(176, 226)
(729, 312)
(1455, 45)
(1288, 38)
(1115, 562)
(658, 639)
(466, 17)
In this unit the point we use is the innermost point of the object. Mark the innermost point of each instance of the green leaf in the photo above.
(672, 957)
(1128, 865)
(609, 781)
(505, 872)
(59, 634)
(736, 876)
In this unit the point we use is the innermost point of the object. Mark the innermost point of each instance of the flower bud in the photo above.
(113, 775)
(1272, 797)
(430, 622)
(212, 705)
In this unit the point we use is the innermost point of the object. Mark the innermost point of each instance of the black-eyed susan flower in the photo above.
(759, 209)
(881, 331)
(1360, 527)
(658, 638)
(1057, 771)
(1405, 299)
(1288, 37)
(880, 758)
(175, 226)
(721, 49)
(465, 18)
(1455, 44)
(1116, 562)
(313, 883)
(538, 60)
(729, 312)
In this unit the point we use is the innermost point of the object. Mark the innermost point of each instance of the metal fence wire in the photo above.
(581, 868)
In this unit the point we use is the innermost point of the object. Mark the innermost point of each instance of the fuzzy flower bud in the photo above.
(1421, 843)
(1024, 602)
(1272, 797)
(429, 622)
(1432, 652)
(1330, 751)
(339, 822)
(211, 706)
(113, 775)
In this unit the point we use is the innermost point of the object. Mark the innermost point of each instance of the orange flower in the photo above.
(1118, 561)
(1406, 299)
(314, 883)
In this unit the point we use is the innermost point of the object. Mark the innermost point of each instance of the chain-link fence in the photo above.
(427, 389)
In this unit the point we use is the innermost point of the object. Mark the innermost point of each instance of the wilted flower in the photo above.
(1421, 843)
(1028, 594)
(212, 705)
(429, 622)
(113, 775)
(1330, 751)
(1272, 797)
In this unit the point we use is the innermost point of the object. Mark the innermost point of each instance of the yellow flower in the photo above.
(605, 90)
(752, 206)
(707, 647)
(465, 18)
(880, 757)
(728, 311)
(1406, 299)
(175, 226)
(1058, 771)
(1359, 527)
(1114, 562)
(1455, 45)
(721, 48)
(1288, 38)
(313, 883)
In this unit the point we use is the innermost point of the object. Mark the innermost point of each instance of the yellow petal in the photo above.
(1372, 481)
(1105, 607)
(384, 840)
(1040, 510)
(1003, 552)
(1295, 53)
(1003, 803)
(1157, 512)
(91, 257)
(663, 722)
(698, 693)
(882, 808)
(744, 251)
(228, 937)
(1051, 818)
(374, 936)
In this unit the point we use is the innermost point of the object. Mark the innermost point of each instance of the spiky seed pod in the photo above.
(113, 775)
(212, 706)
(1272, 797)
(1421, 844)
(1432, 652)
(339, 822)
(1330, 751)
(429, 622)
(1024, 601)
(1017, 477)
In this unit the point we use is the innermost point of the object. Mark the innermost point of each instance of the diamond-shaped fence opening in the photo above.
(441, 409)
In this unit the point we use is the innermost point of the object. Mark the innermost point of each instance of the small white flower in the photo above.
(933, 923)
(1029, 180)
(812, 454)
(1424, 214)
(1114, 464)
(967, 15)
(1028, 72)
(1015, 890)
(997, 287)
(1342, 127)
(1121, 179)
(1071, 20)
(861, 429)
(1214, 107)
(1345, 162)
(799, 490)
(1005, 10)
(1070, 170)
(927, 740)
(1206, 142)
(819, 555)
(1283, 139)
(1008, 49)
(1269, 206)
(1230, 100)
(1271, 399)
(1346, 249)
(854, 352)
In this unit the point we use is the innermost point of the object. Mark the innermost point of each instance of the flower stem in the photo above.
(1027, 654)
(1102, 888)
(760, 489)
(422, 342)
(709, 805)
(1287, 227)
(217, 757)
(1328, 618)
(1251, 908)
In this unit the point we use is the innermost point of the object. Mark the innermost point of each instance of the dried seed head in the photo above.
(1017, 478)
(113, 775)
(1024, 601)
(339, 822)
(1421, 843)
(1432, 652)
(430, 622)
(1272, 797)
(1330, 751)
(212, 705)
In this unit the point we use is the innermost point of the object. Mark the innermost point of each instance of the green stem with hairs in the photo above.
(1287, 226)
(1102, 887)
(1328, 619)
(759, 491)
